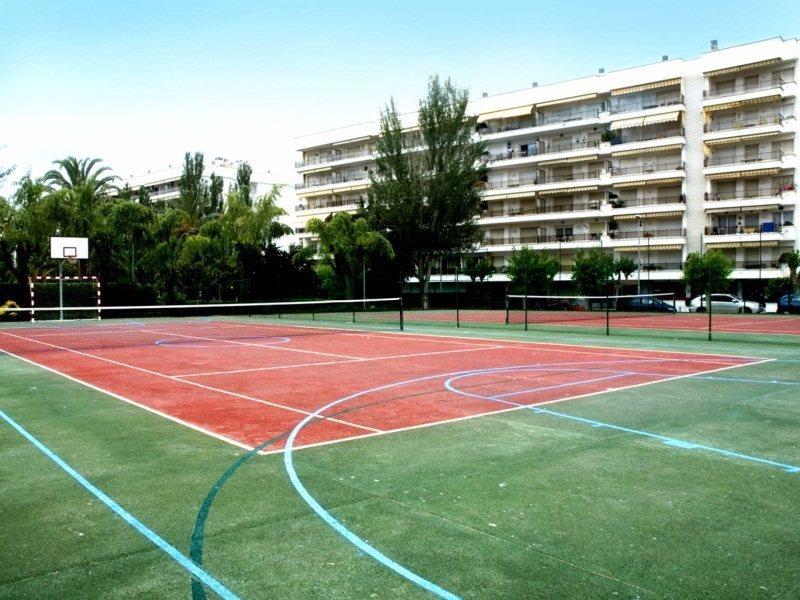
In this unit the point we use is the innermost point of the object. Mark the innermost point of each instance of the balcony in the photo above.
(524, 180)
(624, 107)
(541, 210)
(745, 88)
(333, 179)
(735, 159)
(324, 159)
(324, 205)
(647, 169)
(739, 229)
(509, 240)
(646, 136)
(567, 118)
(541, 148)
(647, 233)
(748, 194)
(743, 123)
(652, 201)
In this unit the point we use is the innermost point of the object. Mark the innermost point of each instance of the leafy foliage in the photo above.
(709, 272)
(592, 271)
(478, 268)
(425, 189)
(531, 272)
(792, 261)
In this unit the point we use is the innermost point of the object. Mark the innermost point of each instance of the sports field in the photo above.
(258, 457)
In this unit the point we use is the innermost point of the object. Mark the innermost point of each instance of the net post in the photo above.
(608, 313)
(401, 312)
(458, 306)
(525, 309)
(506, 309)
(354, 312)
(708, 310)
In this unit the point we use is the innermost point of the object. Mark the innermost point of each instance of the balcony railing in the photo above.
(541, 210)
(744, 229)
(485, 128)
(328, 204)
(333, 178)
(566, 118)
(646, 233)
(744, 88)
(541, 148)
(651, 201)
(745, 123)
(717, 161)
(540, 239)
(324, 159)
(624, 107)
(541, 179)
(748, 194)
(643, 169)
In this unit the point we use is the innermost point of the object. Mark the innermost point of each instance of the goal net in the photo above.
(74, 292)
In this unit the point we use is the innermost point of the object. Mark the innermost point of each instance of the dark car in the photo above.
(644, 304)
(787, 305)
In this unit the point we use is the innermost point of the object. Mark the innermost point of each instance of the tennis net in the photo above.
(588, 311)
(25, 330)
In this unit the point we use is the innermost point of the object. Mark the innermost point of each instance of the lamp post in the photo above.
(639, 255)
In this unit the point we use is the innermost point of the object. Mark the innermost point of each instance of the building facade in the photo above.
(653, 162)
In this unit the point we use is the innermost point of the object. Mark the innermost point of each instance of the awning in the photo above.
(654, 215)
(738, 103)
(736, 140)
(567, 100)
(315, 194)
(747, 67)
(508, 113)
(575, 190)
(764, 243)
(566, 161)
(653, 247)
(743, 174)
(652, 150)
(354, 188)
(632, 184)
(662, 118)
(623, 123)
(646, 86)
(511, 196)
(717, 245)
(733, 211)
(318, 170)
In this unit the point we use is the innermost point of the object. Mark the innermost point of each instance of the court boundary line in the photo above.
(116, 396)
(176, 555)
(510, 409)
(186, 381)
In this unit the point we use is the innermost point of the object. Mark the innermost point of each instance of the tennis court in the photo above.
(329, 453)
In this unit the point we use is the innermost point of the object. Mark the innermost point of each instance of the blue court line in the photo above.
(673, 442)
(143, 529)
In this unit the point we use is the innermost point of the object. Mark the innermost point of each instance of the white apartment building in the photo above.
(652, 162)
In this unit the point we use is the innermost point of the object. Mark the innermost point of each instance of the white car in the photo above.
(725, 303)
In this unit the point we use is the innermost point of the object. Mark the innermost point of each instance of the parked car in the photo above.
(644, 304)
(789, 305)
(725, 303)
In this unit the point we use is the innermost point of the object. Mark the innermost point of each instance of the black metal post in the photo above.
(401, 311)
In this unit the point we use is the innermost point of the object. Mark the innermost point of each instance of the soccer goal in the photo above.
(52, 292)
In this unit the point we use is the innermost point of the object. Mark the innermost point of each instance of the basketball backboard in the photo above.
(69, 247)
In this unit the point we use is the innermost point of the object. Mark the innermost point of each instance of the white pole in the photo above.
(61, 290)
(639, 255)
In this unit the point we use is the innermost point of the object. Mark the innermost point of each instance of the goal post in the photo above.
(56, 291)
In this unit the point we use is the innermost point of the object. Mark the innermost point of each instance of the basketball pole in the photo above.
(61, 290)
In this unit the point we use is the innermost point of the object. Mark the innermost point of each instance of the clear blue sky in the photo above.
(139, 83)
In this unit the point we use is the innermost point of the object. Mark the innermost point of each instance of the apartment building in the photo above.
(653, 162)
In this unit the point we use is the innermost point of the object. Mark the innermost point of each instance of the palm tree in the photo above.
(792, 261)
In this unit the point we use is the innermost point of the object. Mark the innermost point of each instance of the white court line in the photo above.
(340, 362)
(250, 344)
(515, 408)
(186, 382)
(133, 402)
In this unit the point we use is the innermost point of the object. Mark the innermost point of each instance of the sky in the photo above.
(140, 83)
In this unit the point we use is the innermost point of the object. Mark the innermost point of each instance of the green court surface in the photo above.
(519, 504)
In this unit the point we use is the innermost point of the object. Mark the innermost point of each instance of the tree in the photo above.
(478, 268)
(243, 174)
(425, 192)
(792, 261)
(144, 195)
(592, 271)
(345, 243)
(199, 198)
(624, 266)
(706, 273)
(531, 272)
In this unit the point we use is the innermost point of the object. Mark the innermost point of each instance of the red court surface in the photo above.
(724, 323)
(250, 382)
